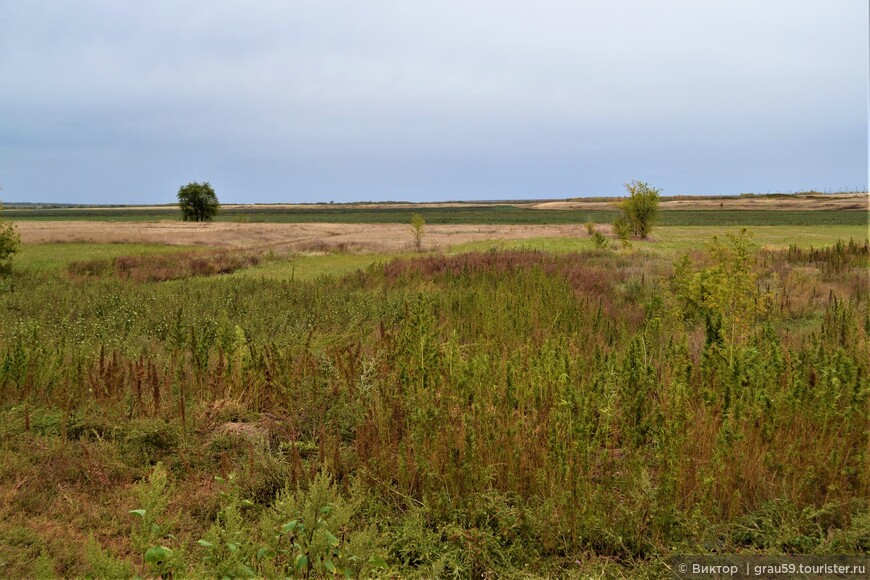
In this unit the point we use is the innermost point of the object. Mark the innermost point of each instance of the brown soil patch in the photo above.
(290, 237)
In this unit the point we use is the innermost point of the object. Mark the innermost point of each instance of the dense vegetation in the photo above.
(507, 412)
(9, 244)
(497, 214)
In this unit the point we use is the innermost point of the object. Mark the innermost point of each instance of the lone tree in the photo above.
(640, 209)
(198, 202)
(9, 242)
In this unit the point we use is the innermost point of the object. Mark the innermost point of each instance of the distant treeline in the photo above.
(770, 195)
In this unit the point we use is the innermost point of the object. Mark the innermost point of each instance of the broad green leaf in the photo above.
(232, 547)
(140, 513)
(289, 527)
(205, 543)
(333, 541)
(327, 509)
(246, 503)
(330, 567)
(247, 571)
(301, 562)
(377, 562)
(158, 554)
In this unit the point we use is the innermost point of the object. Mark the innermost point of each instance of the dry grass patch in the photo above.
(159, 268)
(299, 237)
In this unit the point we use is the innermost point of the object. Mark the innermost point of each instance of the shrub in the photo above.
(149, 439)
(9, 243)
(417, 225)
(622, 229)
(590, 227)
(154, 526)
(640, 209)
(315, 534)
(600, 241)
(103, 565)
(724, 294)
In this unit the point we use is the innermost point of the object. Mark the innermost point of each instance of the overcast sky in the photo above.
(319, 100)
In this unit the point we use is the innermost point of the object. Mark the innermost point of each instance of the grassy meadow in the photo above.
(518, 409)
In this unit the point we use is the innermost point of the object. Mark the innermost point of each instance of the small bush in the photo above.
(104, 565)
(622, 229)
(417, 225)
(9, 244)
(590, 227)
(600, 241)
(152, 536)
(316, 535)
(150, 439)
(640, 209)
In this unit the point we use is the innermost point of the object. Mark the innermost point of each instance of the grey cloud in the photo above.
(438, 100)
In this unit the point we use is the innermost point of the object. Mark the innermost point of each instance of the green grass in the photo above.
(665, 239)
(311, 267)
(54, 256)
(495, 214)
(549, 244)
(680, 238)
(674, 239)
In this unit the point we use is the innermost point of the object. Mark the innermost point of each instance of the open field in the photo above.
(393, 237)
(297, 237)
(736, 211)
(511, 402)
